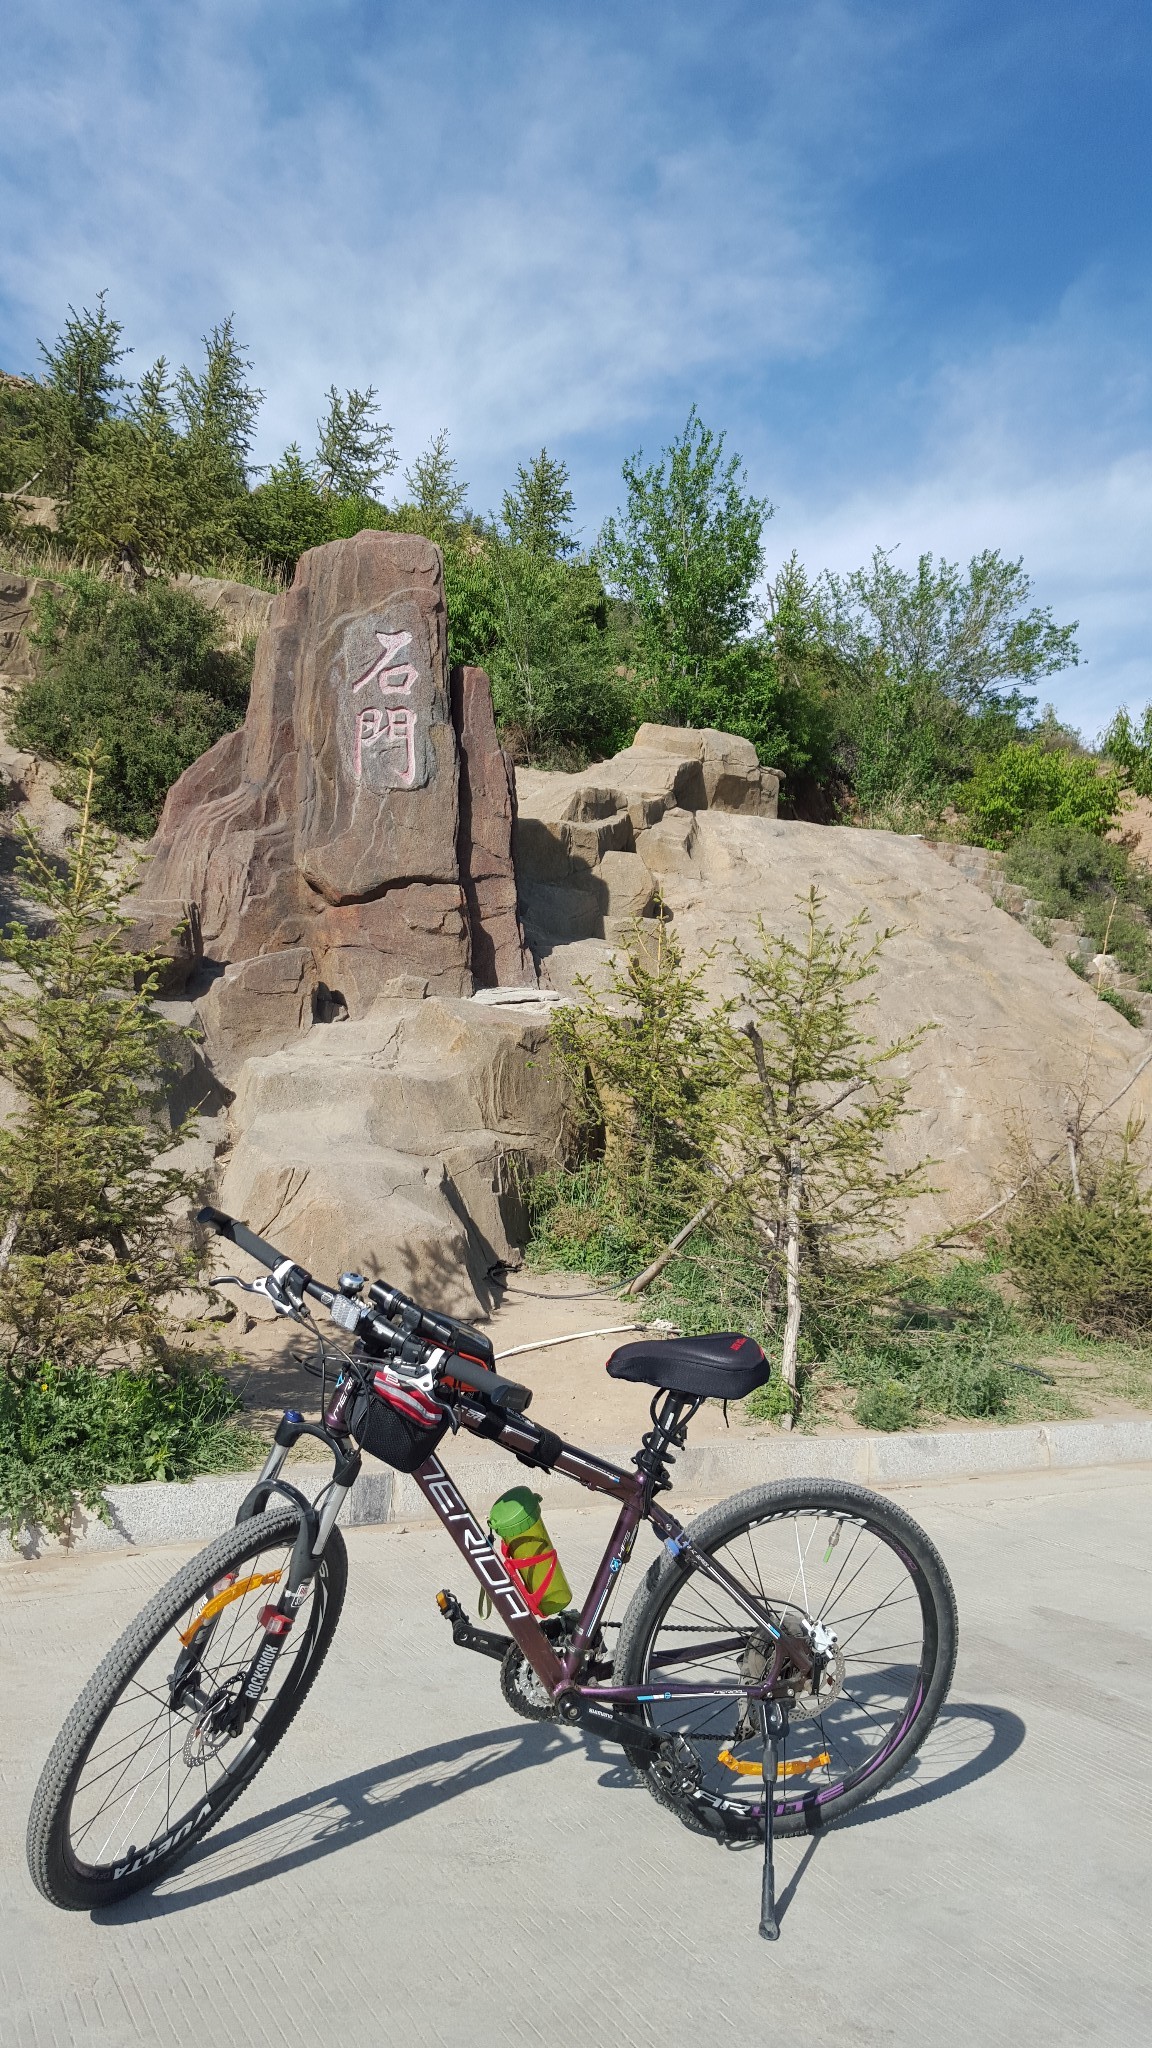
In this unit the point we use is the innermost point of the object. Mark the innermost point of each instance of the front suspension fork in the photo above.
(316, 1527)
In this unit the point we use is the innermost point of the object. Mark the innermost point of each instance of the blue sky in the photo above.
(900, 249)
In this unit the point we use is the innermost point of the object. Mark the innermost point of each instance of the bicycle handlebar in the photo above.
(437, 1331)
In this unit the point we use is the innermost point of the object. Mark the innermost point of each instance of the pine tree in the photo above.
(538, 513)
(438, 493)
(650, 1063)
(820, 1102)
(80, 390)
(219, 407)
(355, 447)
(90, 1247)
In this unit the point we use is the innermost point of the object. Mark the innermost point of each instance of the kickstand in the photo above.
(774, 1714)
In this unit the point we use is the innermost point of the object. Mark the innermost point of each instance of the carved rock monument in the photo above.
(357, 829)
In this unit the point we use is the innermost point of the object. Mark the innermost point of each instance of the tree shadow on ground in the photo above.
(968, 1742)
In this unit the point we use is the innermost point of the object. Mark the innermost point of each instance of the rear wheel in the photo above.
(152, 1753)
(841, 1570)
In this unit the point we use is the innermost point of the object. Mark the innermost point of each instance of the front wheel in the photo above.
(839, 1568)
(157, 1747)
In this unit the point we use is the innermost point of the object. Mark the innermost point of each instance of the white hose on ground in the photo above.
(576, 1337)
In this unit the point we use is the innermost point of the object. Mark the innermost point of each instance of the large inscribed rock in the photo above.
(330, 826)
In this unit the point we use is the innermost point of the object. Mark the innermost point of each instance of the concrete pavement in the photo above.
(415, 1867)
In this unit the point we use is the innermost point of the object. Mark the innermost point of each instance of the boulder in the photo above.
(360, 820)
(397, 1143)
(243, 612)
(730, 774)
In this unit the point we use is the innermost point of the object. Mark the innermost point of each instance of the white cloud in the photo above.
(534, 224)
(538, 257)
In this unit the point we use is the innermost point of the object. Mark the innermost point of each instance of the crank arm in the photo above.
(465, 1633)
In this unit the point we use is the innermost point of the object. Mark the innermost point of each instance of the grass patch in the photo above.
(66, 1434)
(890, 1347)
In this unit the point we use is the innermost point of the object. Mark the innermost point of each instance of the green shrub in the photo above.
(1021, 785)
(889, 1405)
(1074, 874)
(579, 1223)
(1067, 867)
(287, 513)
(774, 1399)
(68, 1433)
(1124, 1006)
(1087, 1262)
(143, 676)
(540, 627)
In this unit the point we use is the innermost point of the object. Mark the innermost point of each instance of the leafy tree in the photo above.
(1129, 746)
(90, 1250)
(439, 497)
(966, 633)
(684, 554)
(287, 513)
(1022, 784)
(933, 671)
(79, 391)
(355, 446)
(142, 675)
(540, 628)
(538, 513)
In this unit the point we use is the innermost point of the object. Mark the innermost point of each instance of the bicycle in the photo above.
(800, 1636)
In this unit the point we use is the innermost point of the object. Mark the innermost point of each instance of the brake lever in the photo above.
(273, 1287)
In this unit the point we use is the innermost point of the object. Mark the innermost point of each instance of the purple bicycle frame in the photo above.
(557, 1671)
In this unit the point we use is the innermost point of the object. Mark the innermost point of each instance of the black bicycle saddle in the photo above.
(723, 1368)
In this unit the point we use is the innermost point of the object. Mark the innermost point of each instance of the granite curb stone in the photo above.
(162, 1512)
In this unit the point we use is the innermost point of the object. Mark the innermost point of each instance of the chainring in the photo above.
(524, 1692)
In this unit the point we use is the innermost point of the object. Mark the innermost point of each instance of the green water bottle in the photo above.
(529, 1551)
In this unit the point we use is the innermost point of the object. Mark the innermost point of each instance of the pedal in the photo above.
(465, 1634)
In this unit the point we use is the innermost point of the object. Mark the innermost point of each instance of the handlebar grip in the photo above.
(505, 1393)
(239, 1234)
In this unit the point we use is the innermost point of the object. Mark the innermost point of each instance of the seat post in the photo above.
(671, 1413)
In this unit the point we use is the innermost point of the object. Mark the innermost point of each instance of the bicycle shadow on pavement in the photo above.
(328, 1817)
(968, 1742)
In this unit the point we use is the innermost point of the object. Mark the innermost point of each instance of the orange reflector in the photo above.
(235, 1592)
(793, 1768)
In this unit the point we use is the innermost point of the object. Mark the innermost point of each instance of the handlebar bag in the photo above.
(396, 1422)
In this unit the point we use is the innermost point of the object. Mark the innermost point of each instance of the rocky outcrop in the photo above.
(17, 595)
(591, 848)
(353, 826)
(500, 956)
(1014, 1036)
